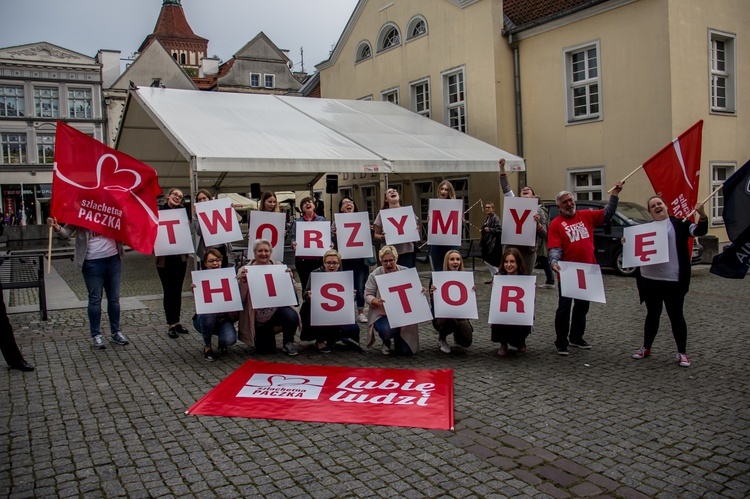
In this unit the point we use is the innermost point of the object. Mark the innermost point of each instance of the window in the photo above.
(722, 72)
(183, 59)
(389, 37)
(364, 51)
(345, 192)
(455, 107)
(390, 96)
(366, 97)
(269, 80)
(420, 98)
(79, 103)
(416, 27)
(11, 101)
(587, 185)
(424, 191)
(45, 148)
(372, 206)
(719, 173)
(583, 83)
(13, 148)
(46, 102)
(254, 79)
(461, 186)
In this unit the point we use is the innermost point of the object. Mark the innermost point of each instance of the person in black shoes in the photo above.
(570, 238)
(10, 350)
(171, 270)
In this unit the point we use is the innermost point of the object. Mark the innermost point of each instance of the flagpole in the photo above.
(626, 177)
(49, 251)
(704, 201)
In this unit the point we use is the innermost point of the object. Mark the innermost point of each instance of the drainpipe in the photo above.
(519, 115)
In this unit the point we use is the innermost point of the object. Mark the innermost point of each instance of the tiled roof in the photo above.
(209, 82)
(525, 12)
(172, 23)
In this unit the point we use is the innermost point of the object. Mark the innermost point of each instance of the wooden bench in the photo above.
(25, 270)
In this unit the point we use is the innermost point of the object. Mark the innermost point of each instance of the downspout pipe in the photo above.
(519, 108)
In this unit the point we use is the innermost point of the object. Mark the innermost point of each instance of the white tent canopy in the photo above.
(230, 140)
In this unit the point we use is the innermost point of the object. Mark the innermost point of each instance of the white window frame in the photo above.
(717, 200)
(52, 100)
(6, 143)
(591, 188)
(391, 95)
(454, 102)
(587, 84)
(87, 99)
(257, 75)
(358, 56)
(413, 22)
(422, 108)
(366, 97)
(383, 36)
(718, 75)
(10, 93)
(45, 148)
(266, 76)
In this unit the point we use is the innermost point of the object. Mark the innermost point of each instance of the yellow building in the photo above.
(584, 90)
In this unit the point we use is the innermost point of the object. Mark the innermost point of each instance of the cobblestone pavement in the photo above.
(597, 423)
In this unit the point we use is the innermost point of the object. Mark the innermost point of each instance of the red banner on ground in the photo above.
(333, 394)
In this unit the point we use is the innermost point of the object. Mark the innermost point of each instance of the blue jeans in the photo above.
(361, 271)
(383, 327)
(210, 324)
(563, 323)
(103, 274)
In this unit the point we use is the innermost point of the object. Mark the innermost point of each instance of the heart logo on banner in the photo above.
(109, 174)
(281, 380)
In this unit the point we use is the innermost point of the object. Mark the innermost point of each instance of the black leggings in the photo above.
(172, 275)
(669, 294)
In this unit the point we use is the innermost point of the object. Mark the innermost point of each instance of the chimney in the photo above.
(110, 61)
(209, 66)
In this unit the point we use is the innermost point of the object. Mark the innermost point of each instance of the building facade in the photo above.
(41, 84)
(584, 90)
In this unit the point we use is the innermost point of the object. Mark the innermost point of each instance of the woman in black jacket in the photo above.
(666, 284)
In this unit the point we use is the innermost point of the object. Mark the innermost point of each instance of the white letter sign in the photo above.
(403, 299)
(218, 222)
(512, 300)
(399, 225)
(455, 296)
(444, 228)
(353, 234)
(173, 235)
(267, 225)
(519, 226)
(216, 291)
(313, 238)
(270, 286)
(645, 244)
(582, 281)
(332, 298)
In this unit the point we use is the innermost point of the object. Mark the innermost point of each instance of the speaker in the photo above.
(332, 184)
(255, 191)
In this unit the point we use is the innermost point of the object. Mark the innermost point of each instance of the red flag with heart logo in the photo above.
(104, 190)
(675, 171)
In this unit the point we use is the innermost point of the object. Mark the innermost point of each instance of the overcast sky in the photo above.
(86, 26)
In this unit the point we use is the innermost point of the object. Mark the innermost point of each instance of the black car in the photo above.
(608, 238)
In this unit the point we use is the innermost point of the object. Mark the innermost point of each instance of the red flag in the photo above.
(99, 188)
(674, 171)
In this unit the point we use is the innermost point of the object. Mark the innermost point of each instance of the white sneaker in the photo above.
(362, 318)
(385, 349)
(683, 360)
(444, 347)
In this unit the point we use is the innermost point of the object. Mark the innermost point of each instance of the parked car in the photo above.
(608, 238)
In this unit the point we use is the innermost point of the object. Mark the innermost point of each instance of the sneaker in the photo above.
(181, 329)
(172, 333)
(562, 350)
(362, 318)
(503, 351)
(119, 338)
(98, 342)
(290, 349)
(444, 347)
(324, 349)
(222, 349)
(683, 360)
(580, 344)
(642, 353)
(209, 354)
(522, 349)
(385, 349)
(547, 286)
